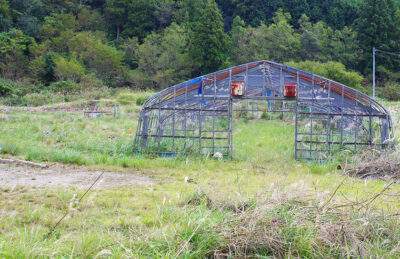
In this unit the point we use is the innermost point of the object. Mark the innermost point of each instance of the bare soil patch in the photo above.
(58, 176)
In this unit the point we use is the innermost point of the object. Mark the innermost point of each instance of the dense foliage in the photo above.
(156, 43)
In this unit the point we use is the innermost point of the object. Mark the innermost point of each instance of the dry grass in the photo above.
(373, 164)
(289, 225)
(294, 221)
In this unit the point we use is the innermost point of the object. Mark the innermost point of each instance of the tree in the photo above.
(57, 30)
(103, 60)
(5, 21)
(338, 13)
(319, 42)
(141, 18)
(310, 46)
(4, 9)
(130, 48)
(346, 48)
(296, 8)
(209, 44)
(116, 12)
(14, 47)
(256, 11)
(164, 11)
(335, 13)
(163, 58)
(375, 27)
(278, 41)
(131, 18)
(91, 20)
(227, 8)
(248, 43)
(189, 11)
(28, 15)
(68, 69)
(282, 42)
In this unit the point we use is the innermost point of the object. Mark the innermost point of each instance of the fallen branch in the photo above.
(333, 194)
(23, 162)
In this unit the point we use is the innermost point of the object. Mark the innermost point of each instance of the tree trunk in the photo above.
(117, 34)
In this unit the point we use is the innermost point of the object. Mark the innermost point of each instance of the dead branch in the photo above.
(333, 194)
(23, 162)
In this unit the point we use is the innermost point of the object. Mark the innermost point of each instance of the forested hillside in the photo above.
(61, 46)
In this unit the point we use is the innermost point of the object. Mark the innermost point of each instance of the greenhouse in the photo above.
(198, 116)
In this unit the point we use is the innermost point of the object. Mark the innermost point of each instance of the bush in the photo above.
(331, 70)
(264, 116)
(126, 98)
(37, 99)
(106, 63)
(14, 91)
(392, 91)
(5, 89)
(141, 100)
(68, 69)
(138, 80)
(90, 82)
(65, 87)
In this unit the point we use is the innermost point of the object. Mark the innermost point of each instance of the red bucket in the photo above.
(237, 88)
(290, 89)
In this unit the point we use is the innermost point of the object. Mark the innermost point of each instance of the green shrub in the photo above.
(331, 70)
(126, 98)
(65, 87)
(16, 91)
(141, 100)
(5, 89)
(106, 63)
(264, 116)
(392, 91)
(90, 81)
(37, 99)
(68, 69)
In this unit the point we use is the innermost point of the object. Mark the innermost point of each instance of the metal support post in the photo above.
(215, 113)
(115, 109)
(311, 114)
(341, 121)
(230, 119)
(173, 122)
(373, 73)
(200, 114)
(185, 119)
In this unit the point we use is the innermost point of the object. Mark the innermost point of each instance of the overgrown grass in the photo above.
(261, 203)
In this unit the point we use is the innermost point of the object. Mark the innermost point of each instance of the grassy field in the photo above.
(261, 203)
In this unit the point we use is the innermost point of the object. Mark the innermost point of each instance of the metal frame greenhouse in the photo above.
(196, 117)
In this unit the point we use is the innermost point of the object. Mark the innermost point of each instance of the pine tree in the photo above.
(253, 12)
(116, 12)
(209, 44)
(131, 18)
(375, 26)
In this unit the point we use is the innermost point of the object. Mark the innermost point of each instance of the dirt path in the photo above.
(57, 176)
